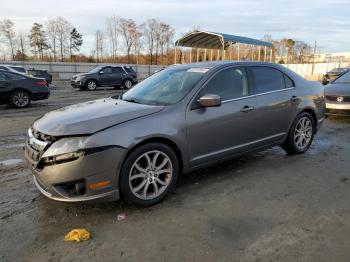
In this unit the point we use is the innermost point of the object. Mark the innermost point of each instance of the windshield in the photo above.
(95, 70)
(165, 87)
(343, 79)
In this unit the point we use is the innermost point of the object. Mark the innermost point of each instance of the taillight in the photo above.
(41, 83)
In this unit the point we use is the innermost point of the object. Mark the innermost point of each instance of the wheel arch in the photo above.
(161, 140)
(312, 113)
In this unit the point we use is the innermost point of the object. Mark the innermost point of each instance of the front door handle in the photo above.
(246, 109)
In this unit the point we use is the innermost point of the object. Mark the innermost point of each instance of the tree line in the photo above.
(125, 41)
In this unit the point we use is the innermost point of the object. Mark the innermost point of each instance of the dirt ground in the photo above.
(265, 206)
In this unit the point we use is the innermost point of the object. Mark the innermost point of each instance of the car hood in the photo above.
(82, 74)
(337, 89)
(91, 117)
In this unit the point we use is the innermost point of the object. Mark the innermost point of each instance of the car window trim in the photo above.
(260, 94)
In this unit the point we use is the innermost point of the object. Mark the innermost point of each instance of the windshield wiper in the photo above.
(132, 100)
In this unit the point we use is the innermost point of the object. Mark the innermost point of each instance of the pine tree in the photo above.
(38, 40)
(75, 41)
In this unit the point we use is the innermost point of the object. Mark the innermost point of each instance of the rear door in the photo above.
(275, 103)
(118, 75)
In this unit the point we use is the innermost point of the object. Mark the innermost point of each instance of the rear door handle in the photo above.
(246, 109)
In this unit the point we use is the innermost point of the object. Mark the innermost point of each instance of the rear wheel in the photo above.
(128, 84)
(301, 134)
(91, 85)
(148, 174)
(20, 99)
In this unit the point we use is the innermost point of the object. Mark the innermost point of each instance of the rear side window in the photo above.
(107, 70)
(288, 82)
(267, 79)
(18, 69)
(118, 70)
(129, 69)
(14, 77)
(229, 84)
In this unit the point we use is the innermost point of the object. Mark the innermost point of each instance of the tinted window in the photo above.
(14, 77)
(228, 84)
(118, 70)
(267, 79)
(18, 69)
(129, 69)
(288, 82)
(107, 70)
(4, 68)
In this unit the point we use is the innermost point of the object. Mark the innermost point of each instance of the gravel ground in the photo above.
(265, 206)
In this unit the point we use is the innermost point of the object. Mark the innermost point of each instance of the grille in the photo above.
(334, 98)
(36, 146)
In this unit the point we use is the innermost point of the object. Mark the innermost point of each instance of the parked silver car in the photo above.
(182, 118)
(337, 95)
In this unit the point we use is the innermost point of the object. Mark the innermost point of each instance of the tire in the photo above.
(128, 84)
(139, 175)
(91, 85)
(301, 134)
(20, 99)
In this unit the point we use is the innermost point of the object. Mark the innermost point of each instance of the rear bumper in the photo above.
(41, 95)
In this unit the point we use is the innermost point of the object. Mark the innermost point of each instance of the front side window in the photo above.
(229, 84)
(343, 79)
(165, 87)
(267, 79)
(107, 70)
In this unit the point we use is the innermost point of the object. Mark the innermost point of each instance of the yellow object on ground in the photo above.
(77, 235)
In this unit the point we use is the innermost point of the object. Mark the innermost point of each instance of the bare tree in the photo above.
(22, 45)
(52, 34)
(128, 30)
(63, 34)
(7, 29)
(99, 37)
(112, 32)
(150, 32)
(166, 35)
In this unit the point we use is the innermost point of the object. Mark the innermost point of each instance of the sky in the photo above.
(326, 21)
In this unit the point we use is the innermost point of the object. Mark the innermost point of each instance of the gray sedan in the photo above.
(180, 119)
(338, 95)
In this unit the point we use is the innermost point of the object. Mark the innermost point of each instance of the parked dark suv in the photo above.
(105, 76)
(19, 90)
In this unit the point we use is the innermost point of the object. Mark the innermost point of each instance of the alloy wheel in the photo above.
(128, 84)
(20, 99)
(303, 133)
(150, 175)
(91, 85)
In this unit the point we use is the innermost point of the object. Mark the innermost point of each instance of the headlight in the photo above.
(66, 145)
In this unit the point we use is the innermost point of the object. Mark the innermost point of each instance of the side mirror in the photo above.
(101, 72)
(209, 100)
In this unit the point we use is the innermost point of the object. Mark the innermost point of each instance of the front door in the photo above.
(5, 86)
(217, 132)
(106, 76)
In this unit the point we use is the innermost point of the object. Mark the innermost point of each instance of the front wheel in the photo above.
(91, 85)
(148, 174)
(300, 135)
(20, 99)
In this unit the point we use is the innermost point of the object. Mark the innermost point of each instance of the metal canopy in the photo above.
(212, 40)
